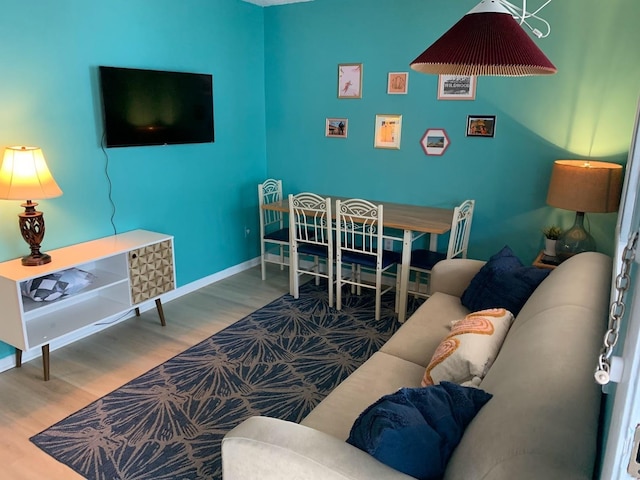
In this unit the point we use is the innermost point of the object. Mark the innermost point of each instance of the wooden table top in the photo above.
(398, 215)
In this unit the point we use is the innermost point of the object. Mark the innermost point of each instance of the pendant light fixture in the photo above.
(489, 41)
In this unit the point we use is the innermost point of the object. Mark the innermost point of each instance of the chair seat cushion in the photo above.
(281, 235)
(313, 249)
(426, 259)
(369, 261)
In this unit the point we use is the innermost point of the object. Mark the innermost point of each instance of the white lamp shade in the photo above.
(24, 175)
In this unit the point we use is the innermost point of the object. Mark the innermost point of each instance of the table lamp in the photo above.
(583, 186)
(24, 175)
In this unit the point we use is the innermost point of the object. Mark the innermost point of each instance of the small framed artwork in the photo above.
(435, 141)
(456, 87)
(388, 131)
(350, 80)
(336, 127)
(397, 83)
(481, 125)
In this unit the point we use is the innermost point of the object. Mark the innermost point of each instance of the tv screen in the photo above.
(152, 107)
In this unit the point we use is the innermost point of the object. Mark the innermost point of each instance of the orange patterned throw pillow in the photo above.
(467, 353)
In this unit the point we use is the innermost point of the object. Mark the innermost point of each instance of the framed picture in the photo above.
(435, 141)
(350, 80)
(336, 127)
(388, 131)
(456, 87)
(481, 125)
(397, 83)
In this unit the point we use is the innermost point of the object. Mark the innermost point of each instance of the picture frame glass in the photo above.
(388, 131)
(457, 87)
(397, 83)
(350, 80)
(336, 127)
(481, 125)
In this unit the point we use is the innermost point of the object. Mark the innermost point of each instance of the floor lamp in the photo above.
(585, 187)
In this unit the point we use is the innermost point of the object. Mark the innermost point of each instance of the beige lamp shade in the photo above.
(585, 186)
(24, 175)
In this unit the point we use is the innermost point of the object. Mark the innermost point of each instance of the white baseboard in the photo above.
(9, 361)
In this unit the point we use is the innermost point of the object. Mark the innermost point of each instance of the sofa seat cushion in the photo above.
(380, 375)
(417, 339)
(415, 430)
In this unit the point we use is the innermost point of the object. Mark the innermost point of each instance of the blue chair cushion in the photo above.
(369, 261)
(415, 430)
(281, 235)
(313, 249)
(503, 282)
(426, 259)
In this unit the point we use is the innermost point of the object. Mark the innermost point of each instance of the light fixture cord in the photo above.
(521, 14)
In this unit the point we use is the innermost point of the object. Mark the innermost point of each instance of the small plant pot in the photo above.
(550, 247)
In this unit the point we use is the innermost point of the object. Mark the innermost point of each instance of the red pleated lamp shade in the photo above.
(486, 41)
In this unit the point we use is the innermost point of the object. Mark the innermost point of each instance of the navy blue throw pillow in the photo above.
(415, 430)
(503, 282)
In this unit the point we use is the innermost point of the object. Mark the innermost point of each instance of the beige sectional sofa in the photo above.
(542, 422)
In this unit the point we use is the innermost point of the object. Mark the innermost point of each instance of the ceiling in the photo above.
(269, 3)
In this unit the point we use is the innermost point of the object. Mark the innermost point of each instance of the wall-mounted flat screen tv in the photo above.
(153, 107)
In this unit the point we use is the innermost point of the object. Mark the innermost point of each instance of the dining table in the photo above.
(413, 221)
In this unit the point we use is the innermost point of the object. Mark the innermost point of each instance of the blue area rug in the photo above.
(280, 361)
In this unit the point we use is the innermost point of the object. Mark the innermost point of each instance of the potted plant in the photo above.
(551, 234)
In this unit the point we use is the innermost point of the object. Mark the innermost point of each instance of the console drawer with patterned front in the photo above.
(151, 271)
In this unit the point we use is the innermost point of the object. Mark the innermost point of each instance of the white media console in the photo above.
(128, 268)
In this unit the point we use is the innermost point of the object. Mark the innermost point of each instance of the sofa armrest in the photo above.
(267, 448)
(454, 275)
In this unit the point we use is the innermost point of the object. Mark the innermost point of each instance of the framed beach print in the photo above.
(388, 130)
(481, 125)
(350, 80)
(456, 87)
(336, 127)
(397, 83)
(434, 141)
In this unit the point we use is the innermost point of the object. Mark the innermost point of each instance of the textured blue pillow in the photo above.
(415, 430)
(503, 282)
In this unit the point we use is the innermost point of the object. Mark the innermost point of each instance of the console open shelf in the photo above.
(127, 269)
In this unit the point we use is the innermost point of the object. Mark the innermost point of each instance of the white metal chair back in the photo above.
(274, 233)
(360, 228)
(268, 192)
(422, 261)
(360, 242)
(311, 231)
(460, 229)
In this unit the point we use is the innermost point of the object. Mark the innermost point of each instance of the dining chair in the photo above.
(359, 244)
(311, 235)
(423, 260)
(274, 234)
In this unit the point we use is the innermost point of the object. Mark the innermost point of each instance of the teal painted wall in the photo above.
(275, 83)
(203, 194)
(586, 110)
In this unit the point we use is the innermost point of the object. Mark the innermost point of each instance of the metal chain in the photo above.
(616, 312)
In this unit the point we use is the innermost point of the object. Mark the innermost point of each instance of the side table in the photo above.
(545, 261)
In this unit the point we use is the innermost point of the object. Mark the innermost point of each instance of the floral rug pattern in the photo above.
(280, 361)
